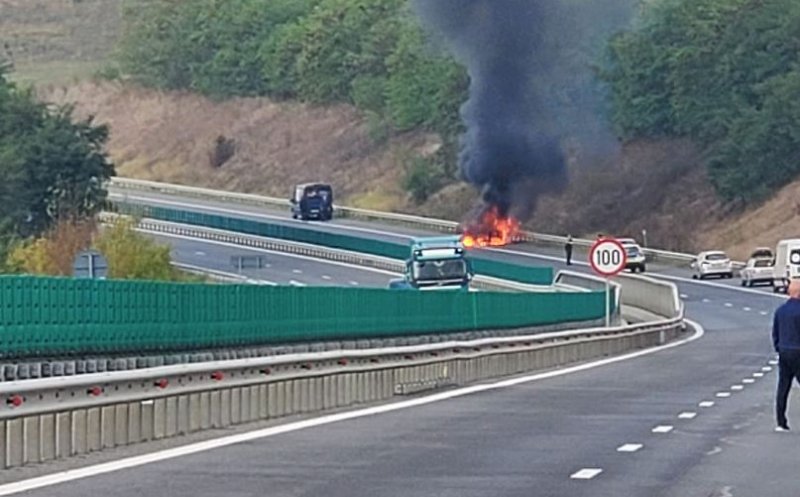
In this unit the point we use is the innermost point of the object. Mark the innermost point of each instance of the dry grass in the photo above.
(657, 186)
(57, 41)
(167, 136)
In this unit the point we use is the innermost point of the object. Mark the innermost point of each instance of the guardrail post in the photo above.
(216, 407)
(171, 417)
(147, 418)
(205, 410)
(30, 434)
(135, 422)
(47, 437)
(63, 435)
(159, 419)
(15, 446)
(234, 410)
(107, 426)
(121, 425)
(93, 430)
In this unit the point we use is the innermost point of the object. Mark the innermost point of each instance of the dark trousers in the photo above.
(788, 370)
(569, 255)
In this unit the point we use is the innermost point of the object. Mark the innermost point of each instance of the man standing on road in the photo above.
(786, 340)
(568, 250)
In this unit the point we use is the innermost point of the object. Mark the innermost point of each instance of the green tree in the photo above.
(134, 256)
(721, 72)
(51, 166)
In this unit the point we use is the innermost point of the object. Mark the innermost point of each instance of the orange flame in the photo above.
(491, 230)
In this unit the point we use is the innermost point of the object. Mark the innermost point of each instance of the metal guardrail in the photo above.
(53, 418)
(351, 212)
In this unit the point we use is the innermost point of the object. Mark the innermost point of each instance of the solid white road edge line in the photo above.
(131, 462)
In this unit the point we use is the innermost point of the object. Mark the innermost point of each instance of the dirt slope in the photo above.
(659, 187)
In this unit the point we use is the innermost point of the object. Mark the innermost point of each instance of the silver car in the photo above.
(712, 263)
(757, 270)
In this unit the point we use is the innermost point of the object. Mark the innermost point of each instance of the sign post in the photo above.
(608, 258)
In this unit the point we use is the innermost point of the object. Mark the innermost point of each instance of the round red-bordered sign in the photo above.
(608, 257)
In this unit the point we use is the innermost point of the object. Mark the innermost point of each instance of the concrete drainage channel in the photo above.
(55, 418)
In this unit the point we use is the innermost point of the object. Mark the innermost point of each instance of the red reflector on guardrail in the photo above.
(217, 375)
(161, 383)
(342, 362)
(95, 391)
(15, 400)
(266, 371)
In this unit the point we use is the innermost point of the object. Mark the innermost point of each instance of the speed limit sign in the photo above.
(607, 257)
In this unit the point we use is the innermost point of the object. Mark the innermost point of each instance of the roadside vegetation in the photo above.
(368, 53)
(724, 73)
(53, 168)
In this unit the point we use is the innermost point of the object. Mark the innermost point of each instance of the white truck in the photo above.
(787, 264)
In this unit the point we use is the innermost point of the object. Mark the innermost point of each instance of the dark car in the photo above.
(312, 201)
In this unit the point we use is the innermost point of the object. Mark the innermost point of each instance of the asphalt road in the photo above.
(279, 269)
(553, 437)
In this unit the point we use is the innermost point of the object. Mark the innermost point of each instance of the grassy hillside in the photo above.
(57, 41)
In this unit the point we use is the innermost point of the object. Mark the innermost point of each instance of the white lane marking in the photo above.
(233, 276)
(354, 283)
(662, 429)
(773, 362)
(758, 375)
(706, 301)
(723, 395)
(326, 277)
(297, 271)
(131, 462)
(296, 283)
(748, 380)
(629, 447)
(737, 387)
(706, 403)
(728, 304)
(714, 451)
(687, 415)
(200, 253)
(684, 296)
(274, 252)
(586, 474)
(763, 313)
(250, 214)
(766, 369)
(746, 309)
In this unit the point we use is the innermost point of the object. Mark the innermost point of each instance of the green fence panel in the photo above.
(66, 316)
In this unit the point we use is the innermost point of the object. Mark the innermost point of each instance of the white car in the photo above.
(757, 270)
(712, 263)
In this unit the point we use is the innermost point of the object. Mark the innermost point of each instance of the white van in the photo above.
(787, 264)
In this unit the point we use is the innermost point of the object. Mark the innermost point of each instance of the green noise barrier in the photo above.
(523, 274)
(62, 316)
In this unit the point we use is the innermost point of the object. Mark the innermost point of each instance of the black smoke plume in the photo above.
(531, 88)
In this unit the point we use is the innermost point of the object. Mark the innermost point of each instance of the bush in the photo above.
(134, 256)
(423, 177)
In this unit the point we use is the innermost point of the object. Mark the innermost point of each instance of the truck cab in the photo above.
(312, 201)
(436, 263)
(787, 264)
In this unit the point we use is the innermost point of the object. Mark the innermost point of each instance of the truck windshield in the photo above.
(439, 270)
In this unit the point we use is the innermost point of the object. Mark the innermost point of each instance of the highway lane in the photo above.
(399, 234)
(591, 412)
(528, 439)
(280, 269)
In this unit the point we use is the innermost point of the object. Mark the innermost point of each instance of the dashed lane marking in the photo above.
(748, 380)
(354, 283)
(684, 296)
(758, 375)
(586, 474)
(737, 387)
(163, 455)
(297, 271)
(746, 309)
(728, 304)
(629, 447)
(763, 313)
(706, 301)
(706, 403)
(773, 362)
(687, 415)
(296, 283)
(766, 369)
(723, 395)
(662, 429)
(326, 277)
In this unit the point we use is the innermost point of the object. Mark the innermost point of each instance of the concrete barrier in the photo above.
(65, 417)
